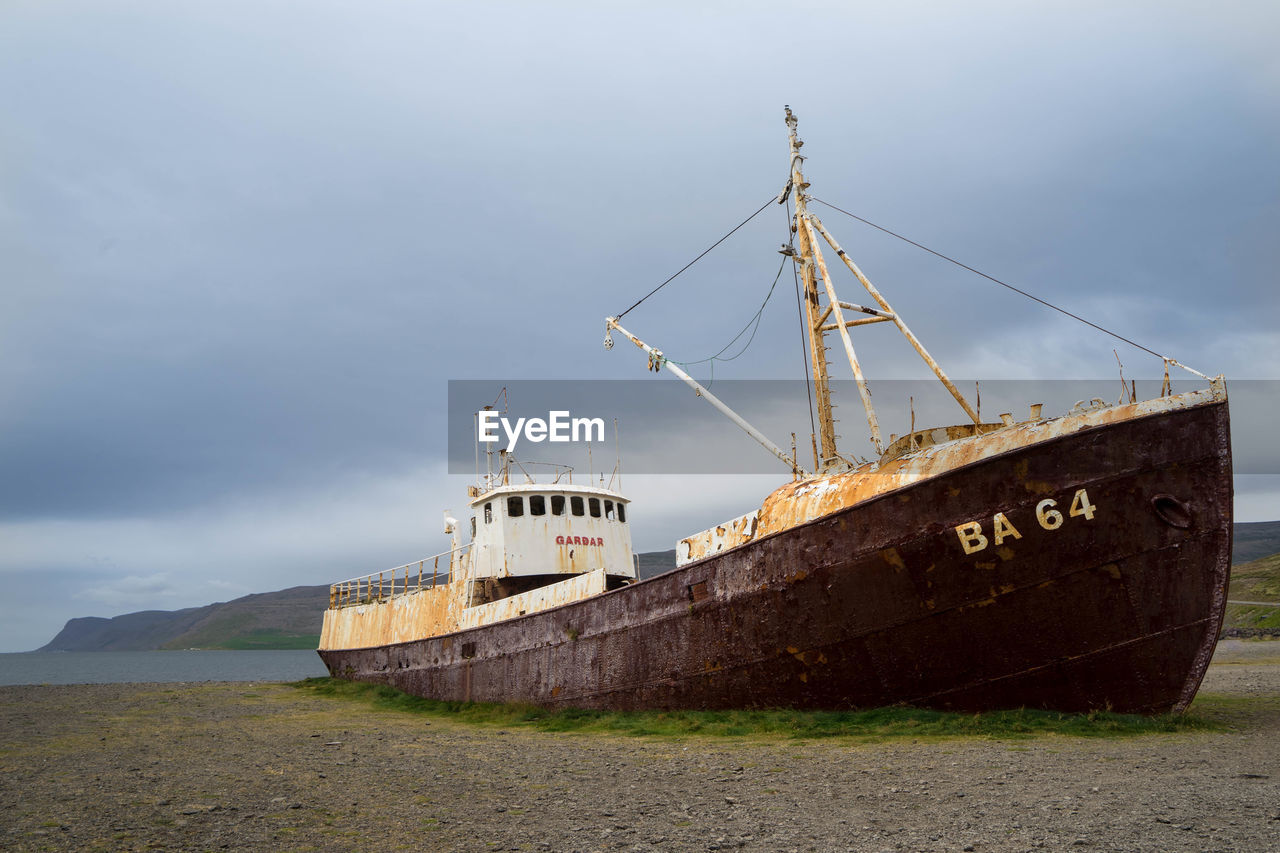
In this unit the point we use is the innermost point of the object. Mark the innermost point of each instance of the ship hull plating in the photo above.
(964, 591)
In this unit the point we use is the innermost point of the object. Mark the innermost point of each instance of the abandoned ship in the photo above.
(1072, 562)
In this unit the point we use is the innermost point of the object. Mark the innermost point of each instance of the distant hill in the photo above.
(1254, 539)
(288, 619)
(657, 562)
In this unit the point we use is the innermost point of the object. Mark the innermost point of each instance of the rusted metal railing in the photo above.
(387, 584)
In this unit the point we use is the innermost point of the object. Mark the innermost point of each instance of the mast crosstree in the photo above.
(807, 228)
(821, 304)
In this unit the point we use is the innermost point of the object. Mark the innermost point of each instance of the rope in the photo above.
(771, 200)
(753, 324)
(992, 278)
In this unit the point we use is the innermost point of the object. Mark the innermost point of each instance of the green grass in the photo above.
(879, 724)
(1246, 616)
(270, 639)
(1234, 709)
(229, 636)
(1258, 580)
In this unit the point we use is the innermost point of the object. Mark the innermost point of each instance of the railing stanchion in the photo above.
(354, 591)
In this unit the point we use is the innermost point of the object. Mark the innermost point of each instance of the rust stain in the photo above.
(809, 657)
(893, 558)
(940, 450)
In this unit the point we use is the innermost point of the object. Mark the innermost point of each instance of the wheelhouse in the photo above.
(529, 535)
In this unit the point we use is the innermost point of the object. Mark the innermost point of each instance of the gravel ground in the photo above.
(264, 767)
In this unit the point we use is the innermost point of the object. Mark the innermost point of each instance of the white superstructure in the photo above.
(550, 529)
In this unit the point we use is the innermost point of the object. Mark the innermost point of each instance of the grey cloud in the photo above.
(243, 249)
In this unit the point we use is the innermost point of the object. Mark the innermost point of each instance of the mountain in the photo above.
(288, 619)
(1253, 539)
(657, 562)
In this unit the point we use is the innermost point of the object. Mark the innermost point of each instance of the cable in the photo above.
(771, 200)
(992, 278)
(753, 324)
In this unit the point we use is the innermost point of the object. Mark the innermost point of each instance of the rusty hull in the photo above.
(878, 603)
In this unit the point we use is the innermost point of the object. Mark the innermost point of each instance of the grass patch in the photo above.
(1251, 616)
(878, 724)
(1234, 711)
(269, 639)
(1258, 580)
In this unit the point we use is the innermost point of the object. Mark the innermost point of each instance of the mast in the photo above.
(813, 311)
(813, 267)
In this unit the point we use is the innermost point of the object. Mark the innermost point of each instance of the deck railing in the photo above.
(387, 584)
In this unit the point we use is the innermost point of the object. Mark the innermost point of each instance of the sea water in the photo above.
(113, 667)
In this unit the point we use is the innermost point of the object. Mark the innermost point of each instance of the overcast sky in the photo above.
(244, 246)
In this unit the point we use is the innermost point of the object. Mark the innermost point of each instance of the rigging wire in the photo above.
(992, 278)
(771, 200)
(753, 324)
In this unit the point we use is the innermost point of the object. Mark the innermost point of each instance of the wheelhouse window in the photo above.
(594, 503)
(488, 513)
(537, 505)
(557, 504)
(608, 510)
(575, 504)
(473, 527)
(622, 512)
(515, 506)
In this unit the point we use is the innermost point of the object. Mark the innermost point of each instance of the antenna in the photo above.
(617, 449)
(488, 455)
